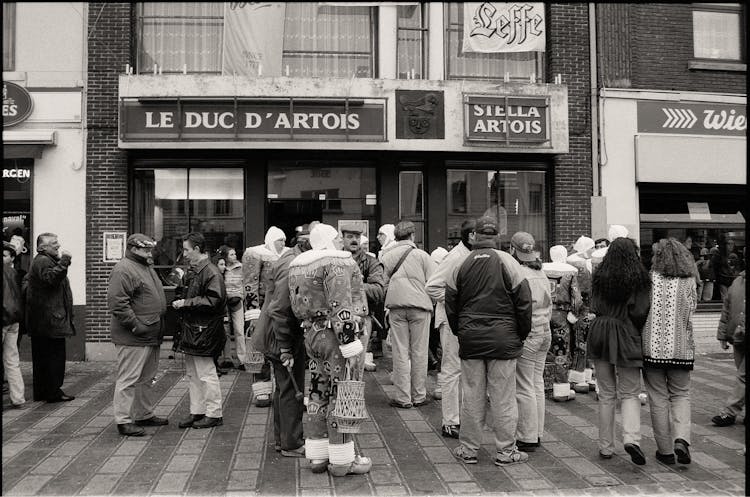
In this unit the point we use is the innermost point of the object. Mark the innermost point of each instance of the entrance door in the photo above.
(327, 191)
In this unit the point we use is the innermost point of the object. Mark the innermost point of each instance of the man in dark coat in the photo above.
(488, 305)
(373, 278)
(136, 300)
(49, 317)
(287, 350)
(203, 310)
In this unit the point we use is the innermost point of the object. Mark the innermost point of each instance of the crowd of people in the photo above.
(511, 331)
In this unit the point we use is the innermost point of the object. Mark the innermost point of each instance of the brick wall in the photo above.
(661, 45)
(106, 169)
(568, 55)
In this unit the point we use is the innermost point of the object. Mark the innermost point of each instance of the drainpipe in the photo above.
(595, 166)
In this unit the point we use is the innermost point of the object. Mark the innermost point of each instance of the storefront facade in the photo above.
(44, 174)
(443, 140)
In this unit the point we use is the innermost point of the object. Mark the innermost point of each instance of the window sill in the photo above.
(708, 65)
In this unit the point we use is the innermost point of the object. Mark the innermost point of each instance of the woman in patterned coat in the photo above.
(669, 349)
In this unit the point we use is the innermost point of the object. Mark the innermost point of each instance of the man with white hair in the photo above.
(257, 263)
(328, 297)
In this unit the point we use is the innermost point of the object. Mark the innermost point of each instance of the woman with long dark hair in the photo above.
(620, 300)
(669, 349)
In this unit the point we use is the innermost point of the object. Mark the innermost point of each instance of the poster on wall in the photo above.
(114, 245)
(495, 27)
(253, 38)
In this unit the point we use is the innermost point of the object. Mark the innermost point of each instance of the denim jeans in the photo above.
(625, 382)
(134, 398)
(530, 385)
(496, 378)
(11, 364)
(737, 398)
(449, 376)
(669, 400)
(410, 334)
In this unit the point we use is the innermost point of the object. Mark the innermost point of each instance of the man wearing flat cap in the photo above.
(374, 282)
(136, 300)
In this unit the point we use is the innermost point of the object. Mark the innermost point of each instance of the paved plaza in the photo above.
(73, 448)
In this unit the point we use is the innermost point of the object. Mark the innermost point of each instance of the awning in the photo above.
(27, 143)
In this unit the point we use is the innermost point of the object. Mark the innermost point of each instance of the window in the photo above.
(17, 202)
(411, 199)
(9, 36)
(412, 41)
(517, 199)
(169, 203)
(459, 65)
(719, 31)
(180, 36)
(328, 41)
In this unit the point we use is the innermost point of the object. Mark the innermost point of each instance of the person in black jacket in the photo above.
(488, 305)
(203, 310)
(49, 317)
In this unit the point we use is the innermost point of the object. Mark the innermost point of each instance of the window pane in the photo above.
(17, 209)
(160, 211)
(9, 35)
(716, 35)
(519, 65)
(411, 202)
(517, 199)
(327, 41)
(217, 206)
(173, 35)
(411, 42)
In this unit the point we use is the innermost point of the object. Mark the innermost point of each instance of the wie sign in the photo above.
(691, 118)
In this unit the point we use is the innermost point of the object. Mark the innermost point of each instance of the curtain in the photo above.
(327, 41)
(716, 35)
(180, 34)
(411, 42)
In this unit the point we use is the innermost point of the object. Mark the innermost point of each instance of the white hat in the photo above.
(438, 254)
(322, 236)
(558, 253)
(388, 230)
(617, 231)
(583, 244)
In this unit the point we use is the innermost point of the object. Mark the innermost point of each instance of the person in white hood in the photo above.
(328, 297)
(386, 237)
(615, 231)
(257, 263)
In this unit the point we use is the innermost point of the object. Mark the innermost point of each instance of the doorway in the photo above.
(327, 191)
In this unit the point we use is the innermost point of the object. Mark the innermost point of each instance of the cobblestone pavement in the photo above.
(73, 448)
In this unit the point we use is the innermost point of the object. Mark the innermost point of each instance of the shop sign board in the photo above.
(420, 114)
(17, 104)
(655, 116)
(233, 120)
(509, 119)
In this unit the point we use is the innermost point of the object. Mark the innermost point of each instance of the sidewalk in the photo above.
(73, 448)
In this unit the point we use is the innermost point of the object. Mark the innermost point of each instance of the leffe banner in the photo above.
(492, 27)
(253, 38)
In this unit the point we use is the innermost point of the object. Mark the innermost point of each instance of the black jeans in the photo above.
(287, 410)
(48, 364)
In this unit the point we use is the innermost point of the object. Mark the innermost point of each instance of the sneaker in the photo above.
(605, 455)
(152, 421)
(450, 431)
(636, 454)
(208, 422)
(359, 466)
(319, 466)
(723, 420)
(298, 452)
(512, 456)
(400, 405)
(369, 362)
(528, 446)
(462, 454)
(190, 419)
(664, 458)
(421, 403)
(437, 394)
(263, 400)
(681, 451)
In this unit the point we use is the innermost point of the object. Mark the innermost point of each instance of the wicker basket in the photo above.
(350, 411)
(254, 360)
